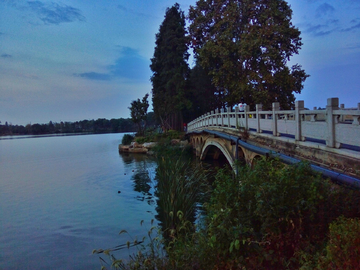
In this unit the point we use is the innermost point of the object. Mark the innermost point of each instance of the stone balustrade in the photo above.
(333, 126)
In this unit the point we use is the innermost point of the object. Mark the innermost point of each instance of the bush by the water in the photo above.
(127, 139)
(154, 136)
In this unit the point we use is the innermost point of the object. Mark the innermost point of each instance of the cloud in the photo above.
(121, 7)
(131, 66)
(5, 55)
(94, 76)
(318, 30)
(356, 25)
(324, 9)
(53, 13)
(140, 14)
(353, 46)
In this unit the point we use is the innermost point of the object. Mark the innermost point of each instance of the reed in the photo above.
(181, 187)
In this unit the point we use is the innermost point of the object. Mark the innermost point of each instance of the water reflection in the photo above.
(142, 176)
(183, 188)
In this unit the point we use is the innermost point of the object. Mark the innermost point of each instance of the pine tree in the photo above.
(245, 45)
(170, 70)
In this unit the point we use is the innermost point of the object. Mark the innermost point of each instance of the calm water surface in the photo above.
(59, 200)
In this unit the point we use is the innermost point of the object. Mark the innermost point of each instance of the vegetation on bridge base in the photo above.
(273, 216)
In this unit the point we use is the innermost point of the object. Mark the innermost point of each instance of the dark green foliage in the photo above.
(127, 139)
(343, 248)
(270, 217)
(138, 112)
(246, 46)
(203, 95)
(170, 70)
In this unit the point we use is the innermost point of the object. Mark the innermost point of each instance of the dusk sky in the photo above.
(88, 59)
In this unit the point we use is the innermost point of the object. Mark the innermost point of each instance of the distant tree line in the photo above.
(100, 125)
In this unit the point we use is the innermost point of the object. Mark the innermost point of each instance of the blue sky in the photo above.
(74, 60)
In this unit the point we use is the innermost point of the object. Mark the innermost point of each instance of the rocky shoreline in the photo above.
(145, 148)
(135, 147)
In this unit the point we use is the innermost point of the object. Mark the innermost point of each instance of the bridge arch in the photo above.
(209, 144)
(255, 160)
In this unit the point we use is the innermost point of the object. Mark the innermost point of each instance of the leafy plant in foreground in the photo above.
(148, 256)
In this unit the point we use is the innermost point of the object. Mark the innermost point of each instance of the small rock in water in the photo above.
(119, 191)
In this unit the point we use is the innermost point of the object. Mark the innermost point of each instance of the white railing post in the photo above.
(259, 108)
(217, 116)
(237, 117)
(222, 116)
(275, 108)
(228, 115)
(299, 105)
(356, 118)
(212, 118)
(246, 109)
(342, 107)
(332, 104)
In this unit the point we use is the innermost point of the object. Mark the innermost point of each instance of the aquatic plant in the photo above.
(181, 187)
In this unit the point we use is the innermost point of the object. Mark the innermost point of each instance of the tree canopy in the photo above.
(246, 46)
(170, 70)
(138, 113)
(203, 95)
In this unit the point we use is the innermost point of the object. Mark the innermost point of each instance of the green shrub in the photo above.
(174, 134)
(141, 140)
(127, 139)
(259, 219)
(343, 248)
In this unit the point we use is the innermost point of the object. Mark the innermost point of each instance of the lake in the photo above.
(59, 200)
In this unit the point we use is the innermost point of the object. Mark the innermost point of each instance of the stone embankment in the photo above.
(136, 148)
(145, 148)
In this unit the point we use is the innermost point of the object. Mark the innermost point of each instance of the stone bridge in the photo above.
(329, 139)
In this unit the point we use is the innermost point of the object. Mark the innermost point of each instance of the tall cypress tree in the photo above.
(170, 70)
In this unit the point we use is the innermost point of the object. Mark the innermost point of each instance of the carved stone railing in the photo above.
(336, 127)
